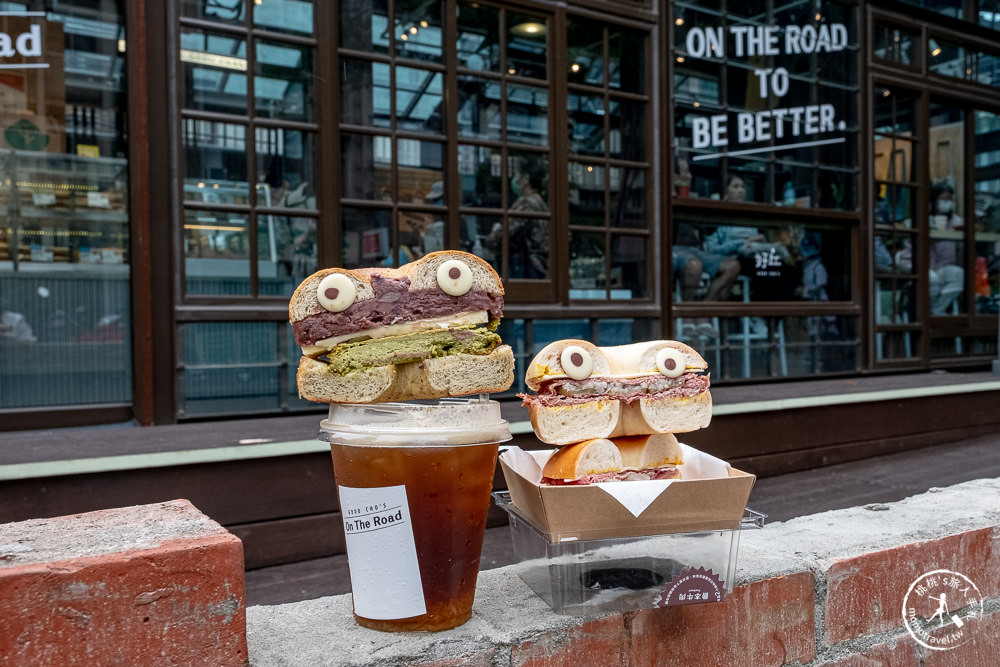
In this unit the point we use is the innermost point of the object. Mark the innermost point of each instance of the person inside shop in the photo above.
(434, 231)
(529, 237)
(691, 262)
(946, 277)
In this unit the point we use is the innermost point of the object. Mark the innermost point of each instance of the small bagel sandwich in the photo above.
(643, 457)
(425, 330)
(585, 391)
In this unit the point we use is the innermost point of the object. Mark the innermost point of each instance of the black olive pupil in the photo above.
(454, 273)
(576, 359)
(332, 293)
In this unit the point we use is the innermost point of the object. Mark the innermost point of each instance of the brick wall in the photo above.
(163, 585)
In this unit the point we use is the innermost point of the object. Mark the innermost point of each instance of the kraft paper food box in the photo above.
(711, 495)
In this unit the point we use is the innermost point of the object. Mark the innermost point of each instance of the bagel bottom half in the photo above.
(609, 418)
(440, 377)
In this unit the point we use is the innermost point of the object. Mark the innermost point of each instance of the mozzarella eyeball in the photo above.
(336, 292)
(670, 362)
(454, 277)
(576, 362)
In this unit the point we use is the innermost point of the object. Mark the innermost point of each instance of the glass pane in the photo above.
(894, 253)
(286, 253)
(65, 320)
(294, 16)
(529, 248)
(895, 159)
(585, 39)
(420, 172)
(418, 99)
(527, 115)
(987, 188)
(230, 367)
(629, 259)
(896, 44)
(365, 96)
(946, 7)
(989, 14)
(418, 29)
(283, 81)
(478, 37)
(285, 163)
(894, 205)
(948, 59)
(233, 12)
(292, 354)
(366, 165)
(214, 70)
(896, 345)
(587, 276)
(216, 252)
(481, 171)
(628, 198)
(946, 279)
(215, 162)
(527, 53)
(364, 25)
(367, 237)
(586, 115)
(895, 111)
(586, 194)
(529, 182)
(413, 230)
(627, 60)
(628, 134)
(478, 108)
(482, 235)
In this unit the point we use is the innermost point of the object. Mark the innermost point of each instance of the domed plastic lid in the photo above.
(449, 422)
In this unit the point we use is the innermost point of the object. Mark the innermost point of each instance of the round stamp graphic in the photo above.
(942, 609)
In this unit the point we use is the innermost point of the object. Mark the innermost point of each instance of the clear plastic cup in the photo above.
(414, 481)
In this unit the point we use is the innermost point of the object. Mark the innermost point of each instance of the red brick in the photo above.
(767, 622)
(149, 585)
(865, 593)
(983, 647)
(600, 642)
(903, 653)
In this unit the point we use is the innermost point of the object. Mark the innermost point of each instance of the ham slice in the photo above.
(619, 476)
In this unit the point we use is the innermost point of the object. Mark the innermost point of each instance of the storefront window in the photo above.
(987, 211)
(64, 233)
(768, 95)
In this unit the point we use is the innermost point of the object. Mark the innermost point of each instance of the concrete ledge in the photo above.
(148, 585)
(821, 590)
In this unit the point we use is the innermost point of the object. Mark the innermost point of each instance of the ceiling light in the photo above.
(575, 67)
(680, 59)
(413, 30)
(423, 24)
(678, 21)
(404, 37)
(529, 29)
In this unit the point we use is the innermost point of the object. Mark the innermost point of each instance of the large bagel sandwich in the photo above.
(425, 330)
(585, 391)
(643, 457)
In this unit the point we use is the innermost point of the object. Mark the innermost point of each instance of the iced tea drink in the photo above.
(414, 483)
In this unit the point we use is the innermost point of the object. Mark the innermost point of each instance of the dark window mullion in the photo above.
(251, 153)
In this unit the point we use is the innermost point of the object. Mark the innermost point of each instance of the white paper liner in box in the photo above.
(634, 496)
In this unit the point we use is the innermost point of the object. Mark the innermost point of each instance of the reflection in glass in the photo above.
(283, 81)
(420, 172)
(214, 70)
(895, 159)
(365, 96)
(286, 253)
(230, 367)
(529, 248)
(586, 194)
(294, 16)
(367, 237)
(478, 37)
(987, 206)
(895, 111)
(418, 99)
(366, 163)
(418, 29)
(481, 173)
(894, 205)
(586, 51)
(216, 252)
(215, 162)
(478, 108)
(628, 197)
(627, 130)
(627, 60)
(527, 53)
(229, 12)
(895, 43)
(627, 278)
(285, 162)
(527, 114)
(528, 188)
(586, 114)
(946, 278)
(948, 59)
(364, 25)
(586, 265)
(482, 235)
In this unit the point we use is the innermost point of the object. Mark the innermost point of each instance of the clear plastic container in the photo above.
(621, 574)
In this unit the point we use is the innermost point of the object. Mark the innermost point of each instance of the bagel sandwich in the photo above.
(584, 391)
(425, 330)
(645, 457)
